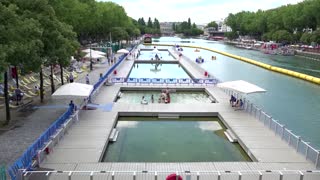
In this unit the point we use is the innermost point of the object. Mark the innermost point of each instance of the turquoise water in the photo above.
(175, 97)
(161, 70)
(146, 139)
(294, 102)
(148, 55)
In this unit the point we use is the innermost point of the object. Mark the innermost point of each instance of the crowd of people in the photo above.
(164, 97)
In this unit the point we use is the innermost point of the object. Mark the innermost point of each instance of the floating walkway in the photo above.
(82, 147)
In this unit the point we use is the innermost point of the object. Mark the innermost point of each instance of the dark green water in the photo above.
(294, 102)
(190, 139)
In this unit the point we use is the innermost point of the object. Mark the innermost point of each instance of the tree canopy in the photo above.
(187, 28)
(284, 24)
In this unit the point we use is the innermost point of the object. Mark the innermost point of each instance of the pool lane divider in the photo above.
(257, 63)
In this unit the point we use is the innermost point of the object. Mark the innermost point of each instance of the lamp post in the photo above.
(90, 58)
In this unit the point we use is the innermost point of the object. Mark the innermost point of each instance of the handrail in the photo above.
(293, 140)
(232, 175)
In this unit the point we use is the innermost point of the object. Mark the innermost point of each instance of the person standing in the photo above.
(87, 79)
(71, 78)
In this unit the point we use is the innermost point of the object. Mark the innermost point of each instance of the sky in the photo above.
(200, 11)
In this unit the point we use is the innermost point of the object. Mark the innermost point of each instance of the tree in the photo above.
(189, 23)
(213, 24)
(150, 24)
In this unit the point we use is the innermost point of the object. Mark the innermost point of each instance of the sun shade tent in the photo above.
(241, 87)
(123, 51)
(94, 55)
(73, 91)
(93, 51)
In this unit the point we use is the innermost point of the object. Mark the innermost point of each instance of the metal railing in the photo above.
(301, 146)
(28, 157)
(163, 81)
(187, 175)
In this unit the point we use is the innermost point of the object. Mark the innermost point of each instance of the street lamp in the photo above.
(90, 58)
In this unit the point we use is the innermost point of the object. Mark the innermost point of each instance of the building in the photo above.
(166, 28)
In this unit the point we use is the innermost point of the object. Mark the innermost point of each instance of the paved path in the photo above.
(15, 141)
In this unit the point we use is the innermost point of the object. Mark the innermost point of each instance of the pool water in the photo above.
(148, 55)
(189, 139)
(158, 70)
(175, 97)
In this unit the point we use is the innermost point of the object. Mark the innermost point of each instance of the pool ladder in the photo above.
(114, 135)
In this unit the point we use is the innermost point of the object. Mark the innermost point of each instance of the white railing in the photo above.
(162, 175)
(301, 146)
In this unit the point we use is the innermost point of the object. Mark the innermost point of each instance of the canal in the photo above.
(291, 101)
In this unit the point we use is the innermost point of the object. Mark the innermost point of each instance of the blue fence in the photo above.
(25, 161)
(165, 81)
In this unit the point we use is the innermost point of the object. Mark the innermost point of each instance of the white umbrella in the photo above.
(73, 90)
(241, 86)
(123, 51)
(94, 51)
(94, 55)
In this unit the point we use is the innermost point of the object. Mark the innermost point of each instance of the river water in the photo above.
(291, 101)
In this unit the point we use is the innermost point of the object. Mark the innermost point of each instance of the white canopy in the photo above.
(241, 86)
(73, 90)
(94, 51)
(123, 51)
(94, 55)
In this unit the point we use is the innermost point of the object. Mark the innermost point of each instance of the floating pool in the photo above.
(189, 139)
(158, 70)
(175, 97)
(148, 55)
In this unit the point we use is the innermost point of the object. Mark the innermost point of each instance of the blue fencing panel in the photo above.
(25, 161)
(171, 81)
(117, 80)
(157, 81)
(198, 81)
(132, 80)
(145, 80)
(210, 81)
(184, 81)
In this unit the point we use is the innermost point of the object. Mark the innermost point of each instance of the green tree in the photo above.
(150, 24)
(213, 24)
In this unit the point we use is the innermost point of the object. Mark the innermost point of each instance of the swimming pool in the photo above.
(157, 70)
(148, 55)
(189, 139)
(129, 96)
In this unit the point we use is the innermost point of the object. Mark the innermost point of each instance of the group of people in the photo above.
(163, 98)
(237, 103)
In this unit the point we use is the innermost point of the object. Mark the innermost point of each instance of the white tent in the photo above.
(123, 51)
(94, 55)
(241, 86)
(73, 90)
(94, 51)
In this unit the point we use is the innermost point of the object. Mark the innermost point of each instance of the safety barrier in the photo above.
(165, 81)
(257, 63)
(53, 133)
(194, 175)
(30, 155)
(301, 146)
(3, 175)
